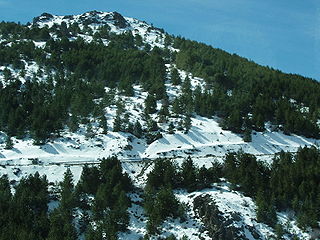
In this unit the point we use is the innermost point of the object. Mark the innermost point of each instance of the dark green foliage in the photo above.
(171, 237)
(103, 124)
(9, 143)
(244, 169)
(75, 74)
(24, 214)
(171, 128)
(164, 112)
(291, 183)
(239, 87)
(175, 77)
(109, 186)
(206, 177)
(68, 201)
(236, 88)
(82, 71)
(177, 106)
(216, 171)
(299, 177)
(247, 136)
(279, 231)
(234, 121)
(150, 104)
(159, 206)
(61, 226)
(61, 219)
(187, 123)
(89, 180)
(266, 211)
(5, 202)
(164, 174)
(137, 130)
(117, 123)
(189, 175)
(73, 123)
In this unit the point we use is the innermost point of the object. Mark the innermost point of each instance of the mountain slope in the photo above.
(76, 89)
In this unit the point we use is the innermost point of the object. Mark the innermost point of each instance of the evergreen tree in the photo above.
(9, 143)
(163, 113)
(150, 104)
(266, 212)
(73, 123)
(187, 123)
(234, 121)
(159, 206)
(189, 175)
(247, 136)
(89, 180)
(61, 227)
(103, 124)
(171, 128)
(175, 77)
(68, 201)
(204, 177)
(164, 174)
(137, 129)
(177, 106)
(117, 124)
(89, 131)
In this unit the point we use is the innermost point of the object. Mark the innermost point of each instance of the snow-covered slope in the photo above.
(206, 141)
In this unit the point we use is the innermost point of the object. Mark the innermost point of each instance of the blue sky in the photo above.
(282, 34)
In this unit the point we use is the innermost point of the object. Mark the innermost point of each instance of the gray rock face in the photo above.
(219, 226)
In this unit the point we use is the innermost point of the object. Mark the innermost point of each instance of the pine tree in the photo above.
(189, 174)
(163, 113)
(117, 124)
(266, 212)
(175, 77)
(186, 86)
(89, 131)
(176, 106)
(171, 128)
(150, 104)
(89, 180)
(234, 121)
(103, 124)
(61, 227)
(137, 129)
(67, 193)
(204, 177)
(187, 123)
(247, 136)
(9, 143)
(73, 123)
(152, 126)
(159, 206)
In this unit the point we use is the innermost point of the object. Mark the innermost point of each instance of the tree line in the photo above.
(97, 206)
(75, 72)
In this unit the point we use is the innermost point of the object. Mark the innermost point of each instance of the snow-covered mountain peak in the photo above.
(95, 20)
(88, 18)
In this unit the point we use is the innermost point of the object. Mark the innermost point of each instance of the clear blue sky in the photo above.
(282, 34)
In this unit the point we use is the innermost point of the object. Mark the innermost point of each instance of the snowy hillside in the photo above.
(206, 141)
